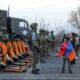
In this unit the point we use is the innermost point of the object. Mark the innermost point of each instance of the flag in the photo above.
(67, 50)
(72, 55)
(63, 48)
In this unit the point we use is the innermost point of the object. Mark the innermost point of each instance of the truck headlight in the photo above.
(25, 32)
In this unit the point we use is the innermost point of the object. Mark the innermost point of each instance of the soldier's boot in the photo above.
(63, 71)
(42, 61)
(37, 69)
(35, 72)
(70, 71)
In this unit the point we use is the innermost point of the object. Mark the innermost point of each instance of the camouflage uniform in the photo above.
(4, 35)
(48, 40)
(52, 40)
(35, 48)
(42, 39)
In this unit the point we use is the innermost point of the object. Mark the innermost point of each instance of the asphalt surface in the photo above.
(51, 70)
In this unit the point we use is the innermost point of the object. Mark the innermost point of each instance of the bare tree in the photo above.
(43, 23)
(74, 19)
(60, 31)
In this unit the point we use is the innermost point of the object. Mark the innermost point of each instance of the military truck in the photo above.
(16, 27)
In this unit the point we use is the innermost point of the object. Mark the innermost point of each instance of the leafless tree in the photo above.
(74, 19)
(60, 31)
(43, 24)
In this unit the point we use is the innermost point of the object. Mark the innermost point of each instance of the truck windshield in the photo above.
(23, 24)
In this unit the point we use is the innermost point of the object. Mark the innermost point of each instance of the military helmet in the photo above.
(41, 30)
(47, 32)
(52, 31)
(33, 25)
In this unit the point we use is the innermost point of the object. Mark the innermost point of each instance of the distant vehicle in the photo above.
(16, 27)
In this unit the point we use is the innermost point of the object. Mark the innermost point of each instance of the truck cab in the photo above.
(16, 27)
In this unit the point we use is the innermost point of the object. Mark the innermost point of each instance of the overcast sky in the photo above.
(50, 10)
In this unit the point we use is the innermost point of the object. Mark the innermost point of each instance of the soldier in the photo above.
(48, 40)
(4, 35)
(35, 48)
(52, 40)
(42, 40)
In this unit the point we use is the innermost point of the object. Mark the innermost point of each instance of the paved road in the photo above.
(51, 70)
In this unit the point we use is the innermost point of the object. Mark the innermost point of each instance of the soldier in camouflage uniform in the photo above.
(35, 48)
(4, 35)
(48, 41)
(42, 39)
(52, 40)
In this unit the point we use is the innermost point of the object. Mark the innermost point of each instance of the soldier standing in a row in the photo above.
(35, 48)
(4, 35)
(52, 40)
(48, 41)
(42, 40)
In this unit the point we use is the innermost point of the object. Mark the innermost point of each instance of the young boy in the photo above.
(65, 51)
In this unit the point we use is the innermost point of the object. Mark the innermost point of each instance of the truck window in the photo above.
(21, 24)
(26, 25)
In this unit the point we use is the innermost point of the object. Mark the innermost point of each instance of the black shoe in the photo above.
(35, 72)
(42, 61)
(37, 69)
(70, 72)
(62, 72)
